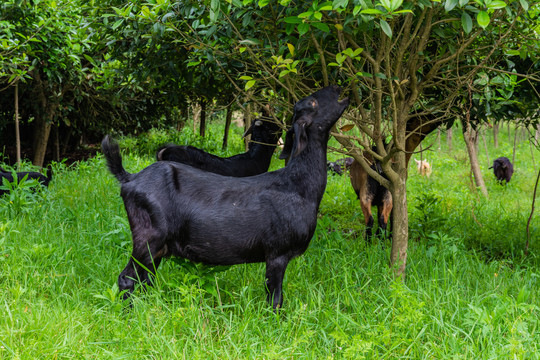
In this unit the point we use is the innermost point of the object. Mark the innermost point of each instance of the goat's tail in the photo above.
(111, 150)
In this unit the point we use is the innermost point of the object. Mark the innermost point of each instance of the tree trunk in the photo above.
(449, 139)
(67, 140)
(247, 123)
(514, 151)
(43, 121)
(196, 115)
(56, 145)
(41, 137)
(486, 148)
(202, 126)
(471, 139)
(17, 130)
(537, 135)
(496, 135)
(400, 219)
(181, 120)
(228, 119)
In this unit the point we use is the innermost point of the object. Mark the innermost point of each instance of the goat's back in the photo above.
(175, 199)
(503, 169)
(366, 187)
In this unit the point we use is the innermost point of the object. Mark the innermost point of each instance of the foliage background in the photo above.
(470, 292)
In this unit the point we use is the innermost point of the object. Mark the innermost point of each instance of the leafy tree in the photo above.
(61, 58)
(406, 65)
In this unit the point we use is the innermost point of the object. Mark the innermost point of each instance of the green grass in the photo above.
(470, 293)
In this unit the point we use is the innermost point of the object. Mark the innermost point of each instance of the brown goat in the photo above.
(371, 193)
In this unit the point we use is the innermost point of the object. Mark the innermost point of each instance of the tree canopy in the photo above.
(408, 66)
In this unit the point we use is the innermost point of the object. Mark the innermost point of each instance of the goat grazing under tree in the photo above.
(177, 210)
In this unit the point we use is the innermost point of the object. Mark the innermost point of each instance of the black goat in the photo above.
(371, 193)
(340, 165)
(178, 210)
(503, 169)
(39, 177)
(265, 134)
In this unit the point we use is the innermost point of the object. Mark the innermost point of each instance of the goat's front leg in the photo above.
(275, 271)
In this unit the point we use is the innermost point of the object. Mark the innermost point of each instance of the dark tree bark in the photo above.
(228, 119)
(17, 130)
(202, 126)
(470, 136)
(247, 123)
(449, 134)
(56, 145)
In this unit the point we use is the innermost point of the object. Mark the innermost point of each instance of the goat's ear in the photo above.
(288, 146)
(296, 138)
(300, 138)
(250, 129)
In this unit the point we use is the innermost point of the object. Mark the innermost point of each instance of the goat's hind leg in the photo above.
(368, 218)
(143, 263)
(275, 271)
(383, 215)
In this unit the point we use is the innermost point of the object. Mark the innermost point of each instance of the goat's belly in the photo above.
(218, 254)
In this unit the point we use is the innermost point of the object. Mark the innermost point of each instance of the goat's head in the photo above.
(265, 131)
(320, 110)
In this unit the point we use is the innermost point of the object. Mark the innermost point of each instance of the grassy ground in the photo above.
(470, 293)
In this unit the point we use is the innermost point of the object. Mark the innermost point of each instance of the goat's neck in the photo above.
(308, 169)
(261, 151)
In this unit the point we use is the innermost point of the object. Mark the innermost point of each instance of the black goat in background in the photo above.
(39, 177)
(265, 134)
(178, 210)
(503, 169)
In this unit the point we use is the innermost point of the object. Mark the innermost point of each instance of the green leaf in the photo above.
(466, 22)
(386, 4)
(386, 28)
(117, 24)
(450, 4)
(263, 3)
(395, 4)
(322, 27)
(90, 60)
(249, 84)
(292, 20)
(303, 28)
(483, 19)
(340, 4)
(496, 4)
(283, 73)
(371, 11)
(305, 15)
(462, 3)
(524, 4)
(325, 8)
